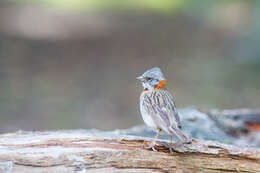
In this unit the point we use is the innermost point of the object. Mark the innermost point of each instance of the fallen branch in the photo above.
(95, 151)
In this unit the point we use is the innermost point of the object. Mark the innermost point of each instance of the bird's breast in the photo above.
(148, 120)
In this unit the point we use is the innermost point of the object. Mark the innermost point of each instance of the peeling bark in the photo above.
(94, 151)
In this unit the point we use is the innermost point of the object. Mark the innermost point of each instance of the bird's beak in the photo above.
(141, 78)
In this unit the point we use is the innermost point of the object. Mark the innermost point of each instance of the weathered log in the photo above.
(95, 151)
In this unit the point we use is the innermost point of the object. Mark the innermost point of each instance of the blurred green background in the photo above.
(72, 63)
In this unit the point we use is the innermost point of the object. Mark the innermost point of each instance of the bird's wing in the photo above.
(160, 105)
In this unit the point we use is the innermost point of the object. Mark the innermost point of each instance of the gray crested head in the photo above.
(151, 78)
(155, 73)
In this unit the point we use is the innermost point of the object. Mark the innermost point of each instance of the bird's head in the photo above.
(152, 79)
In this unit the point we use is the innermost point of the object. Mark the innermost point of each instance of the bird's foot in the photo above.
(150, 145)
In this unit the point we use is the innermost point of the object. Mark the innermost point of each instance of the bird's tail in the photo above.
(181, 136)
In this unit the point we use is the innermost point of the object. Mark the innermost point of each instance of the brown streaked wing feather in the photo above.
(160, 105)
(151, 108)
(173, 108)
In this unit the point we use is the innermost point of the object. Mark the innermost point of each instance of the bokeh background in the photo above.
(68, 64)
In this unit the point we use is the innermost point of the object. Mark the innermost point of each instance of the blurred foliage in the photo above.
(153, 5)
(161, 5)
(74, 70)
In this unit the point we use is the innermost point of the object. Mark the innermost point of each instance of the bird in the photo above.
(158, 108)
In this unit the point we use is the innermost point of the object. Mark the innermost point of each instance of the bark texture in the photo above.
(95, 151)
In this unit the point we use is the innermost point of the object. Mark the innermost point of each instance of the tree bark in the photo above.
(95, 151)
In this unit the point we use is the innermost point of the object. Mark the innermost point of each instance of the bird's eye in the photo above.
(148, 78)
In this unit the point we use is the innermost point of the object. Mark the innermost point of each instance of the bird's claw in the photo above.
(171, 151)
(152, 146)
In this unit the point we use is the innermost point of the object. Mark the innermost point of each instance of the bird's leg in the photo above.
(156, 136)
(153, 143)
(170, 148)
